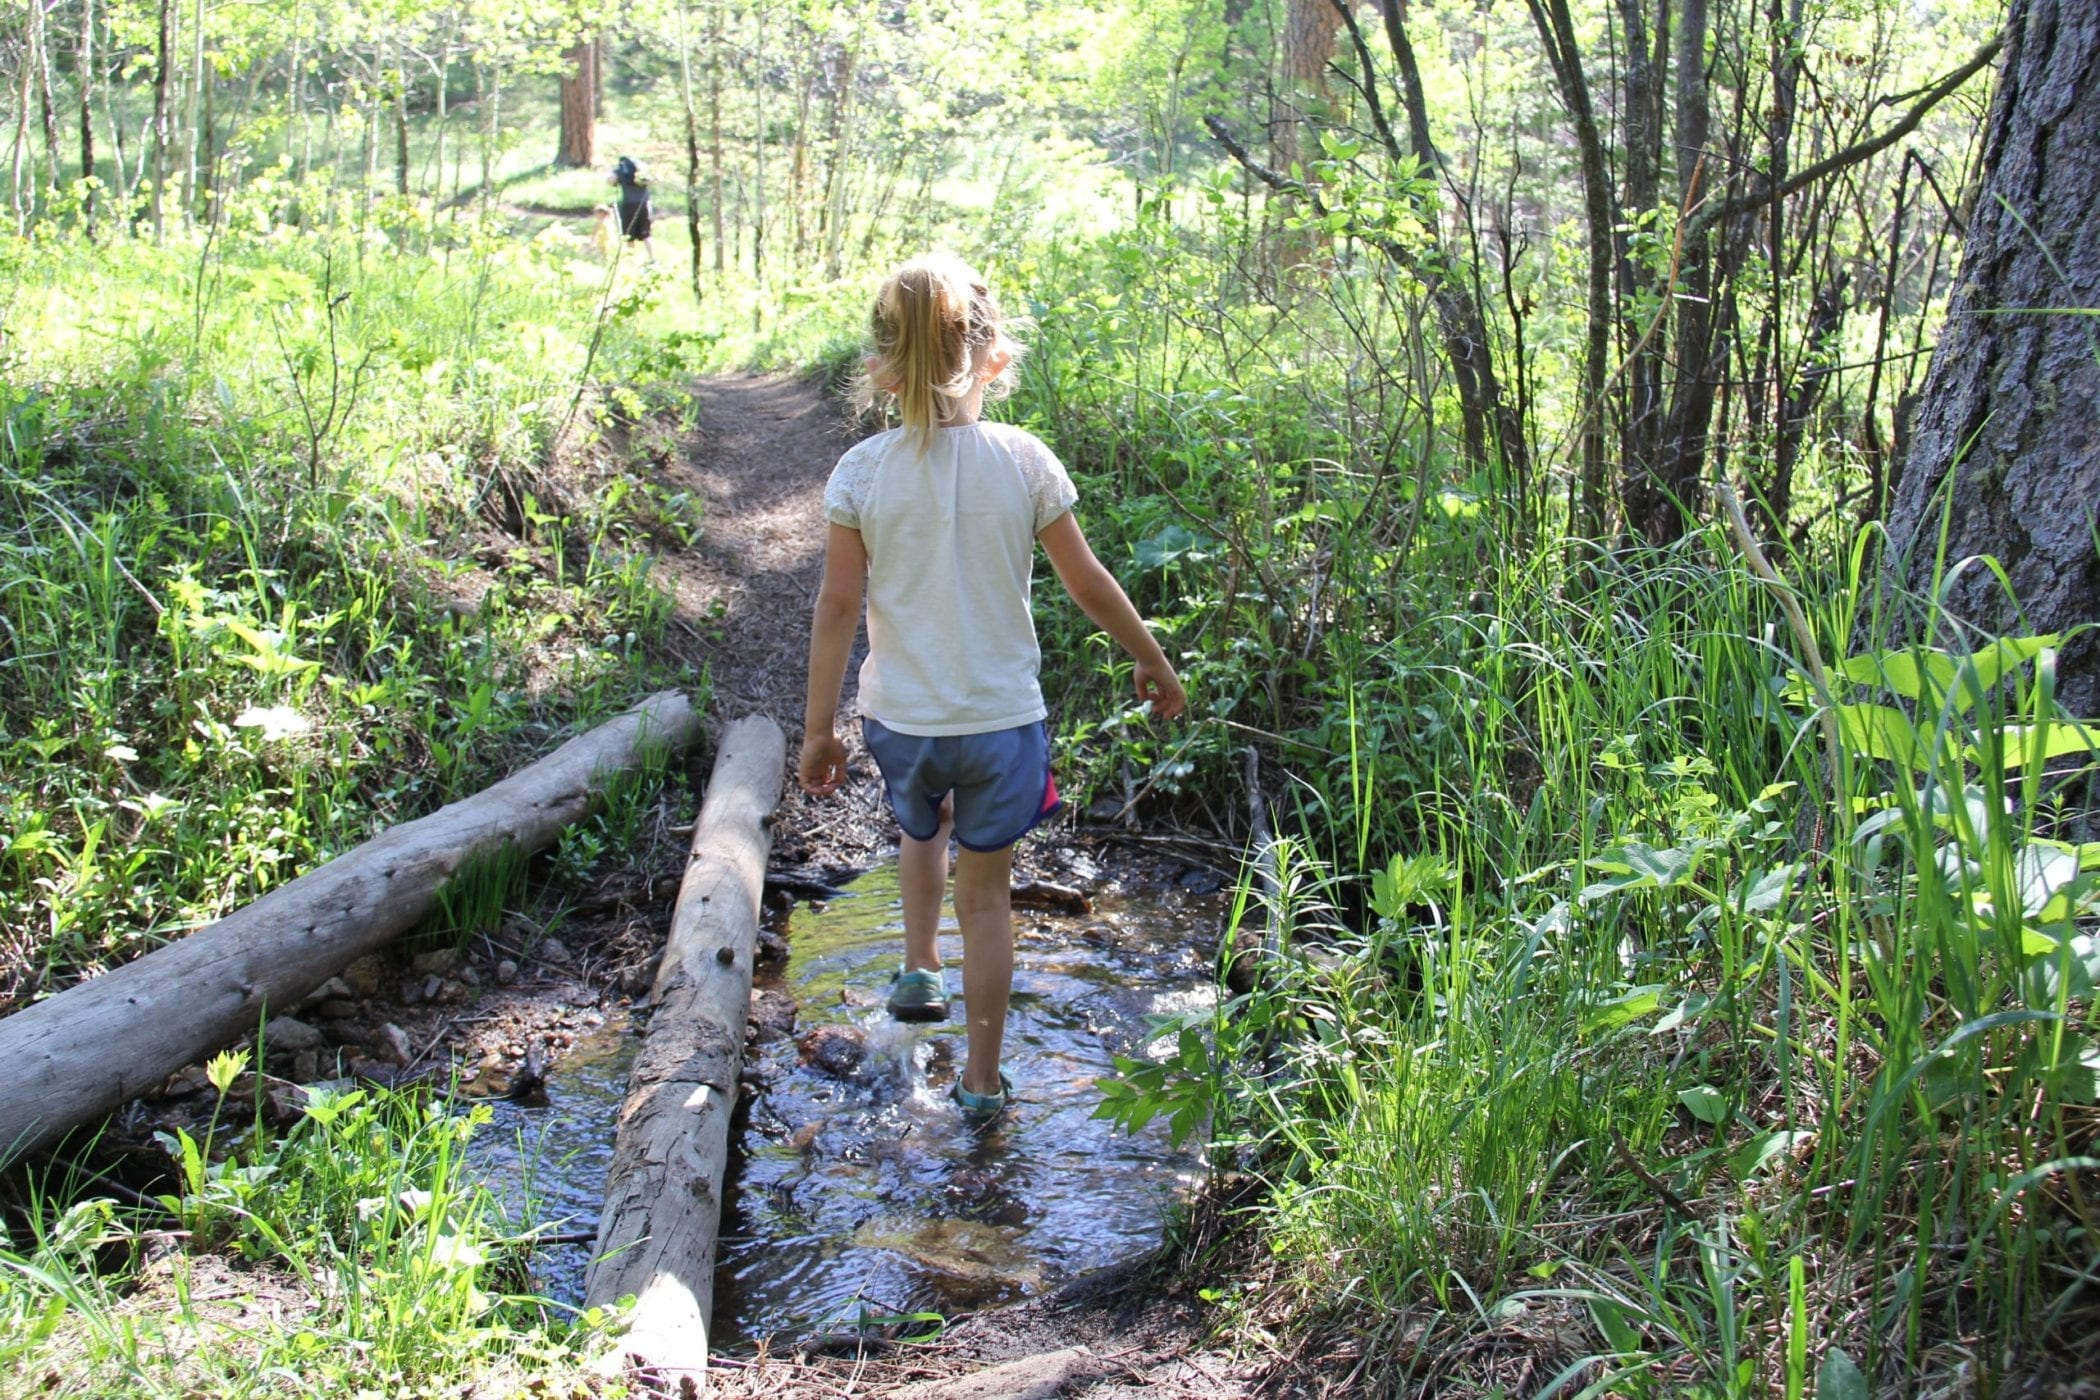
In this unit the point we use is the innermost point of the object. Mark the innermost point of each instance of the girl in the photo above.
(937, 523)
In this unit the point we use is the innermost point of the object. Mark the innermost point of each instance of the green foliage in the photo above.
(390, 1271)
(247, 625)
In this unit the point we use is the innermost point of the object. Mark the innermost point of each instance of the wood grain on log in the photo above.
(656, 1235)
(81, 1054)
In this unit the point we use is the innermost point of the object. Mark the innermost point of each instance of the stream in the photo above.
(855, 1188)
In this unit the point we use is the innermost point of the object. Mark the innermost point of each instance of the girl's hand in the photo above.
(1161, 687)
(823, 764)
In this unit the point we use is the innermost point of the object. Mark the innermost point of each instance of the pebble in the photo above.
(451, 992)
(290, 1036)
(439, 960)
(411, 991)
(391, 1044)
(554, 950)
(506, 972)
(469, 977)
(365, 975)
(306, 1066)
(433, 986)
(340, 1009)
(334, 989)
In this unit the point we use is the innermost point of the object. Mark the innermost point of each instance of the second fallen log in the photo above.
(663, 1196)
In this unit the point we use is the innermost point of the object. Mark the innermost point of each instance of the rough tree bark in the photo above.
(2004, 436)
(579, 107)
(83, 1053)
(663, 1195)
(84, 62)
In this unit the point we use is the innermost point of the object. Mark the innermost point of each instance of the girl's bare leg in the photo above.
(984, 908)
(922, 878)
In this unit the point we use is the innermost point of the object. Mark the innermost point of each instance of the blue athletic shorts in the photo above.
(1001, 781)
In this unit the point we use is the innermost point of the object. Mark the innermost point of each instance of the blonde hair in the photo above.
(933, 328)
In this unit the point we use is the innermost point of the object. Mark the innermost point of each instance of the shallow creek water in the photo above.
(858, 1187)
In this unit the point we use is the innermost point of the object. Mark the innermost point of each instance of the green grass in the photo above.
(345, 1255)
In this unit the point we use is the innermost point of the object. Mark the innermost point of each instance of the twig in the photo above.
(1649, 1179)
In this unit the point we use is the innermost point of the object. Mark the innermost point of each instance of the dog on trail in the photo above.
(605, 233)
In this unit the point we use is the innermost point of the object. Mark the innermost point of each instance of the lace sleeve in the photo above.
(848, 488)
(1049, 485)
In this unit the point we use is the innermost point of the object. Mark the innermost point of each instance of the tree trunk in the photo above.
(83, 1053)
(2003, 447)
(195, 126)
(841, 152)
(400, 82)
(692, 152)
(1556, 29)
(84, 63)
(663, 1192)
(714, 125)
(40, 57)
(579, 108)
(1660, 513)
(165, 59)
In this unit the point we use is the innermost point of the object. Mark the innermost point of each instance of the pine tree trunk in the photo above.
(578, 147)
(2003, 446)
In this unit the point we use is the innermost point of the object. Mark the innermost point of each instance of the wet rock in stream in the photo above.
(839, 1051)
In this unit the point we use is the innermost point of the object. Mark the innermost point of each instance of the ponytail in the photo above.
(933, 325)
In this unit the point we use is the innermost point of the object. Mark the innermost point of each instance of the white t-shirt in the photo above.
(950, 532)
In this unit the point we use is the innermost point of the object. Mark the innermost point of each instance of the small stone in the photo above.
(334, 989)
(306, 1066)
(188, 1081)
(341, 1010)
(411, 991)
(365, 975)
(451, 992)
(506, 972)
(554, 950)
(391, 1045)
(439, 960)
(1201, 880)
(432, 985)
(772, 1014)
(470, 977)
(290, 1036)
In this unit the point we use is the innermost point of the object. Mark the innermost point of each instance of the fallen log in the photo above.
(663, 1194)
(78, 1056)
(1030, 1378)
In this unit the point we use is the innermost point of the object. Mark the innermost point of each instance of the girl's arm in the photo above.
(1103, 600)
(836, 619)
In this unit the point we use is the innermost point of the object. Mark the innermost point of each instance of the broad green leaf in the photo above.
(1627, 1006)
(1704, 1102)
(1923, 675)
(1983, 670)
(1838, 1379)
(1753, 1156)
(1882, 731)
(2038, 743)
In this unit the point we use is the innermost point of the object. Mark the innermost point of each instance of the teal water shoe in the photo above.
(917, 994)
